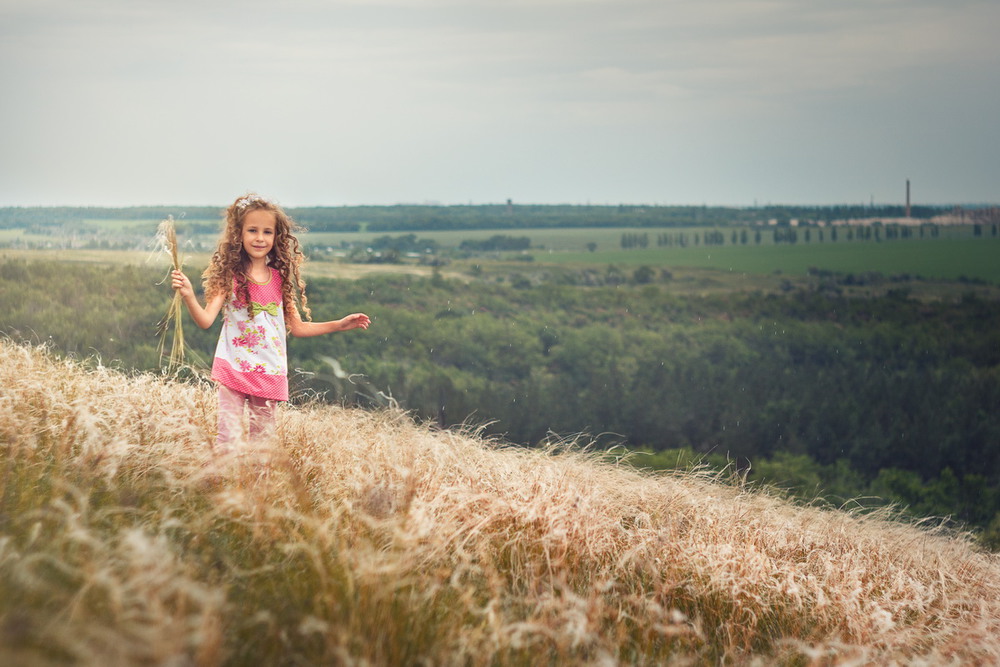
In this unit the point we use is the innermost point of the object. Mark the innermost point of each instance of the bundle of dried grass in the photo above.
(166, 238)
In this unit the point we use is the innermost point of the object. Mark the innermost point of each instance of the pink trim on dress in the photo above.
(273, 387)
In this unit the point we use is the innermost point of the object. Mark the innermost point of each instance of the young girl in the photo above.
(254, 279)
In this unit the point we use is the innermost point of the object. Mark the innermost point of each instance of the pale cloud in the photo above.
(549, 100)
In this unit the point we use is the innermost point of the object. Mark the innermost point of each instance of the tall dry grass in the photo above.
(166, 240)
(363, 538)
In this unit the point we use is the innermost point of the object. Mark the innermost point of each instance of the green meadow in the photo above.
(955, 256)
(940, 259)
(934, 252)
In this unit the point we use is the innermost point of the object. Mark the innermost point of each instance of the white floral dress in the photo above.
(251, 357)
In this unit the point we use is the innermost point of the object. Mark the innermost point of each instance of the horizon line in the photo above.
(434, 204)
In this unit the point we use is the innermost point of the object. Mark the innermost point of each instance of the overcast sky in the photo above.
(312, 102)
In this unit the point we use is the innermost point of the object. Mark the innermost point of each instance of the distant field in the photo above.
(194, 262)
(606, 238)
(945, 259)
(949, 258)
(954, 256)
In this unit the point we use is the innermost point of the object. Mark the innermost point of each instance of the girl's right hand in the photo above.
(180, 282)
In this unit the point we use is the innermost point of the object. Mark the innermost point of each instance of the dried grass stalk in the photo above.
(362, 537)
(166, 236)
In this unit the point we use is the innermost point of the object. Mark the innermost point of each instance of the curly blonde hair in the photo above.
(227, 270)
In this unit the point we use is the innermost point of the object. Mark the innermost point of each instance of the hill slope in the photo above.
(364, 537)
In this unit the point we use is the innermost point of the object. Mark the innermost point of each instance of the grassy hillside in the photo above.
(364, 537)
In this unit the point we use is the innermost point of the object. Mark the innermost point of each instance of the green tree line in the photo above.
(480, 216)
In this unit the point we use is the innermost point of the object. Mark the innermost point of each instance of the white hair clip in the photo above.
(243, 202)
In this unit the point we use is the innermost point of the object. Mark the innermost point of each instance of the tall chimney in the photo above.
(907, 198)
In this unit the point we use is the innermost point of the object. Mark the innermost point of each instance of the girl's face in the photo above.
(258, 233)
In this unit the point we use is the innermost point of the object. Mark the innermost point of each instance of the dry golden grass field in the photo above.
(361, 537)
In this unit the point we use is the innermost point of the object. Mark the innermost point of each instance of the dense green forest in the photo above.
(483, 216)
(844, 396)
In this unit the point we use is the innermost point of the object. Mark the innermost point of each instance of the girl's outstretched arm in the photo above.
(203, 317)
(301, 329)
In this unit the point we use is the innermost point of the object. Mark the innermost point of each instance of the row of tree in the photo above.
(486, 216)
(807, 234)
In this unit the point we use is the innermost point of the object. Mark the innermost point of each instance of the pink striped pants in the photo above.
(262, 422)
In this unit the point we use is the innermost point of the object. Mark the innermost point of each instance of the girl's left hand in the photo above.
(356, 321)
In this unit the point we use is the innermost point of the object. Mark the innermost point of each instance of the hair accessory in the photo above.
(243, 202)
